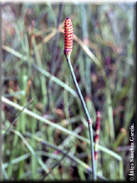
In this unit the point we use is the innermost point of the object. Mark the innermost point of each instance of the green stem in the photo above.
(86, 113)
(121, 170)
(70, 156)
(45, 121)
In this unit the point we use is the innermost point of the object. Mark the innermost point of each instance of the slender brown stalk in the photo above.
(96, 138)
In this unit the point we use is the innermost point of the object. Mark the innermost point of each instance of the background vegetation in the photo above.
(34, 66)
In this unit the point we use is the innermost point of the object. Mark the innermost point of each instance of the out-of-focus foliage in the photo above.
(34, 66)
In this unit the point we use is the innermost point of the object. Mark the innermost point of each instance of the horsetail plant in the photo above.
(96, 138)
(68, 45)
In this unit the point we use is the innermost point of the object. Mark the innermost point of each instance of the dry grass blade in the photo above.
(58, 162)
(16, 118)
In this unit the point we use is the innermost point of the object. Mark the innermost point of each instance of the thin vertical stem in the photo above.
(0, 95)
(53, 64)
(96, 138)
(121, 175)
(86, 113)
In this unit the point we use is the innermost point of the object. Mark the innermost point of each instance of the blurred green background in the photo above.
(34, 66)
